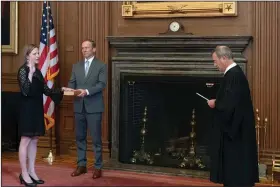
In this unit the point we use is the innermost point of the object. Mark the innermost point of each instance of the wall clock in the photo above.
(174, 26)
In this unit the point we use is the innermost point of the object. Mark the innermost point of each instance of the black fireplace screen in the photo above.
(163, 122)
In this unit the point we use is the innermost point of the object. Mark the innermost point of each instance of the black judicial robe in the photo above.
(234, 159)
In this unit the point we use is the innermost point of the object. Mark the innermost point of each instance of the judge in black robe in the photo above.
(234, 160)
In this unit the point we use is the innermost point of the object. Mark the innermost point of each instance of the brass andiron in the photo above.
(258, 132)
(262, 166)
(191, 159)
(141, 155)
(264, 137)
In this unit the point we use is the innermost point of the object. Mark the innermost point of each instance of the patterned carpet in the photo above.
(60, 176)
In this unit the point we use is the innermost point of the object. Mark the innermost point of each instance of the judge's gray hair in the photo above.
(223, 51)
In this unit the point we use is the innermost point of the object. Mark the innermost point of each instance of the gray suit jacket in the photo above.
(94, 82)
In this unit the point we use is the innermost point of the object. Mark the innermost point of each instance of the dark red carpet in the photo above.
(60, 176)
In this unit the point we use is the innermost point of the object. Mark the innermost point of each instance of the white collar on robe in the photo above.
(230, 66)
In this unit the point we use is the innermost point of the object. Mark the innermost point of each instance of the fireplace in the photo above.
(158, 120)
(155, 117)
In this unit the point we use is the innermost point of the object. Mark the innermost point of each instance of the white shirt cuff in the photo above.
(87, 92)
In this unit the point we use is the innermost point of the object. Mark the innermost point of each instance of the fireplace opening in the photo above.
(162, 122)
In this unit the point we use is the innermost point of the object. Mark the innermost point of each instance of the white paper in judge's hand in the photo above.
(202, 96)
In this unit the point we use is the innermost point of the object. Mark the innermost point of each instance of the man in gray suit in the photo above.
(89, 76)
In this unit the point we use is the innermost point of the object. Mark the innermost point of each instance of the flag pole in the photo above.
(50, 157)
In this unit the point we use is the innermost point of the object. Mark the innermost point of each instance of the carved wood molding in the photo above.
(66, 104)
(138, 9)
(9, 82)
(9, 78)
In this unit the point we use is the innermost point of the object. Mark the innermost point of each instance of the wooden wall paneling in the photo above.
(67, 19)
(9, 82)
(248, 53)
(198, 26)
(66, 126)
(103, 54)
(79, 21)
(266, 70)
(254, 18)
(103, 24)
(277, 30)
(75, 21)
(29, 16)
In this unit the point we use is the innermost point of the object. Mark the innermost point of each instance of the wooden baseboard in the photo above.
(266, 156)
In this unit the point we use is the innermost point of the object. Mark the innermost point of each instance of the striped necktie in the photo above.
(87, 67)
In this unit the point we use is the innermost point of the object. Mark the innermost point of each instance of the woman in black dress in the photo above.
(31, 121)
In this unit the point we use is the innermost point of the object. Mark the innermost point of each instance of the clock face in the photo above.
(174, 26)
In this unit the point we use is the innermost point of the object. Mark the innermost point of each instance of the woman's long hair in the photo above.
(27, 50)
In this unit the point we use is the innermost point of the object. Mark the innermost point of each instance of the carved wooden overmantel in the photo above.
(147, 9)
(165, 55)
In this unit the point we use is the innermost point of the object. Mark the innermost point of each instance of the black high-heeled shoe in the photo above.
(37, 181)
(22, 181)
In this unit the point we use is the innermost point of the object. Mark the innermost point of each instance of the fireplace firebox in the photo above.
(163, 122)
(159, 123)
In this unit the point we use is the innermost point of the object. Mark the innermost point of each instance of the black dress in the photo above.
(31, 117)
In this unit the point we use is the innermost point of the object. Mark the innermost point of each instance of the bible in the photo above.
(72, 93)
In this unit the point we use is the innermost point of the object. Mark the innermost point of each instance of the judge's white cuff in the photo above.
(87, 92)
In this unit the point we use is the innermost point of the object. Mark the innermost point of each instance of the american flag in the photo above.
(48, 62)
